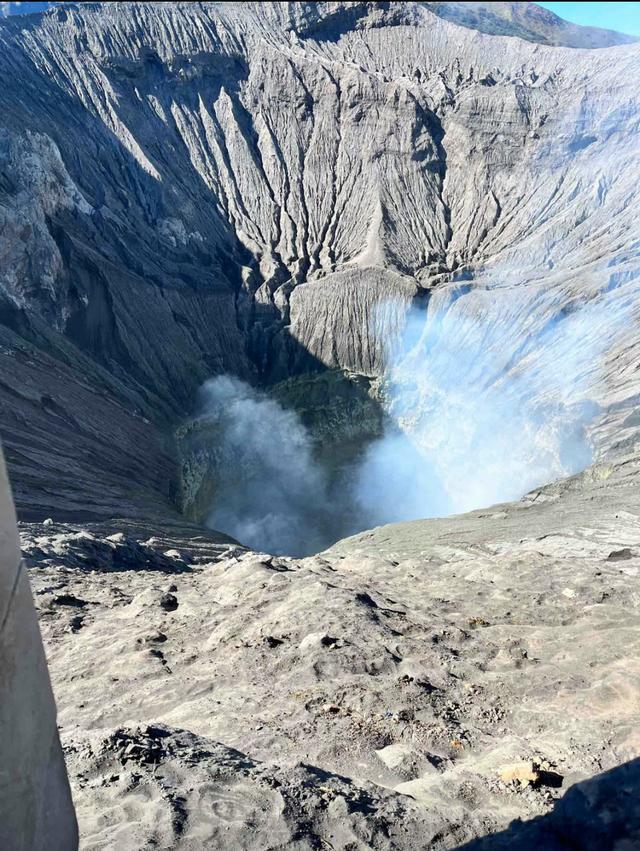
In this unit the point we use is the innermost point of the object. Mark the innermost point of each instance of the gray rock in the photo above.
(169, 602)
(169, 214)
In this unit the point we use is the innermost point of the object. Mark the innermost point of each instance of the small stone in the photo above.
(403, 715)
(620, 555)
(315, 640)
(524, 773)
(155, 637)
(169, 602)
(393, 755)
(76, 623)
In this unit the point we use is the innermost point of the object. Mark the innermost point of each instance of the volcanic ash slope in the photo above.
(413, 687)
(190, 189)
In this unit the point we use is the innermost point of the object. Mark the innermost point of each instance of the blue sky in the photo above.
(624, 17)
(22, 8)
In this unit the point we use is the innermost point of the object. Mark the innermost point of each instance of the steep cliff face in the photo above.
(190, 189)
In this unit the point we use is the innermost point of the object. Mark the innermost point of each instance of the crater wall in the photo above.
(195, 189)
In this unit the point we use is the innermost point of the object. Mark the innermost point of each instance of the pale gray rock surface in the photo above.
(197, 188)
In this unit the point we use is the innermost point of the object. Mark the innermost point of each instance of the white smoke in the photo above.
(487, 398)
(271, 494)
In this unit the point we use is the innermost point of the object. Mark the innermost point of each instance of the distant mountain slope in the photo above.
(528, 21)
(524, 20)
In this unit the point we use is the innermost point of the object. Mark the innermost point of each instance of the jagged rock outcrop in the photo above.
(190, 189)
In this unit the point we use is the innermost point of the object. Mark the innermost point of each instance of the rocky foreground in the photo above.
(416, 686)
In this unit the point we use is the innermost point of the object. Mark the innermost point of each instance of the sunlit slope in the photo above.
(192, 189)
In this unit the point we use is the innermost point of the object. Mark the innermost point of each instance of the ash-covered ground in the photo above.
(416, 686)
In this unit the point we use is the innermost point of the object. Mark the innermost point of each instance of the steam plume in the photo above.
(271, 494)
(486, 399)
